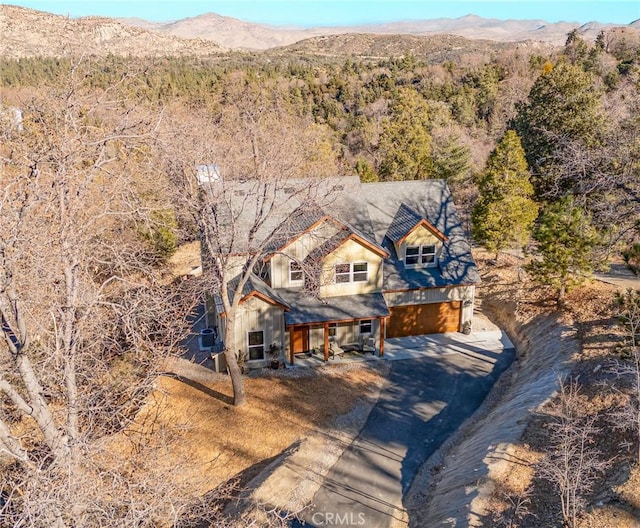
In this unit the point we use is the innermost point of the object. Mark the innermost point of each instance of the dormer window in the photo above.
(420, 255)
(296, 275)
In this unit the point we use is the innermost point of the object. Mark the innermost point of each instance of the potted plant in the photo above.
(274, 352)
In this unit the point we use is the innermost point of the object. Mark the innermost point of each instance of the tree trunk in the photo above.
(40, 410)
(239, 396)
(562, 290)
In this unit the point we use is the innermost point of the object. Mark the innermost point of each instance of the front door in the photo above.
(300, 339)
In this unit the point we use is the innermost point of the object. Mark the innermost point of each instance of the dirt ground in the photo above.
(220, 442)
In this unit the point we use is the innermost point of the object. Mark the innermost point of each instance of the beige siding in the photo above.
(351, 252)
(420, 236)
(298, 250)
(254, 315)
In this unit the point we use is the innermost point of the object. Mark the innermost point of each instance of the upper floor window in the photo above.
(295, 272)
(419, 255)
(352, 272)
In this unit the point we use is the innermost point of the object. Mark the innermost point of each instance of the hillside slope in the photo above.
(27, 33)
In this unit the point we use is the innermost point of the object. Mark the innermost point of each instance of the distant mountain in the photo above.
(237, 34)
(26, 32)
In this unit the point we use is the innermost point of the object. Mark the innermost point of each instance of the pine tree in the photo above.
(405, 142)
(563, 108)
(505, 213)
(451, 159)
(565, 239)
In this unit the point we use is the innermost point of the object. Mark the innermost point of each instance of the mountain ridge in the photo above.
(234, 33)
(27, 33)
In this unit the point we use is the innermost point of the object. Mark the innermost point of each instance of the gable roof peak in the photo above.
(405, 221)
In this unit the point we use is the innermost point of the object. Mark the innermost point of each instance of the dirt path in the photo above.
(619, 275)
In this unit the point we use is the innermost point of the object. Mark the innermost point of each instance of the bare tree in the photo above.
(260, 146)
(627, 417)
(571, 463)
(73, 281)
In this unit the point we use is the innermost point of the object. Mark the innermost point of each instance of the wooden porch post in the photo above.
(291, 331)
(326, 341)
(382, 324)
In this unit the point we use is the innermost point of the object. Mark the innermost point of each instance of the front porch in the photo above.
(316, 358)
(331, 340)
(328, 328)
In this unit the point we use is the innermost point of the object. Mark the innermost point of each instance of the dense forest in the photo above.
(542, 153)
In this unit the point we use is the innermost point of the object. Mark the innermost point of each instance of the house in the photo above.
(371, 262)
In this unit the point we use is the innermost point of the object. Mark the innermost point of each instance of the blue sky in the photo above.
(346, 12)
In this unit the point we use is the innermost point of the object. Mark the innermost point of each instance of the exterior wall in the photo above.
(466, 294)
(254, 315)
(345, 333)
(420, 236)
(351, 251)
(298, 250)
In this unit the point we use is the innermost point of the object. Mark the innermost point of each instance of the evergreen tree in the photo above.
(451, 159)
(563, 108)
(365, 171)
(565, 239)
(405, 141)
(505, 213)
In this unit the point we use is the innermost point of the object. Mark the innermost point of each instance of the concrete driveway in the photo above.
(435, 383)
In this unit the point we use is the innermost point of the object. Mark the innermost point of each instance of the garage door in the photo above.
(418, 319)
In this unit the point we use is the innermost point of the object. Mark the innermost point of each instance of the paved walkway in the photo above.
(435, 383)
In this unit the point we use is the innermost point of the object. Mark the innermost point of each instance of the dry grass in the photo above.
(220, 441)
(185, 259)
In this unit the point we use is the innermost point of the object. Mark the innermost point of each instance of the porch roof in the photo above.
(307, 309)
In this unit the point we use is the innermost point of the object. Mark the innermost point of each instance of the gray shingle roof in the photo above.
(378, 212)
(395, 205)
(307, 309)
(403, 222)
(250, 213)
(254, 284)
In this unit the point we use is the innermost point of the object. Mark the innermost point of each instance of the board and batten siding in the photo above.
(465, 294)
(298, 250)
(351, 252)
(253, 315)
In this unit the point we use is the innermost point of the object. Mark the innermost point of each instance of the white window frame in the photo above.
(298, 269)
(364, 324)
(332, 330)
(351, 274)
(423, 255)
(250, 346)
